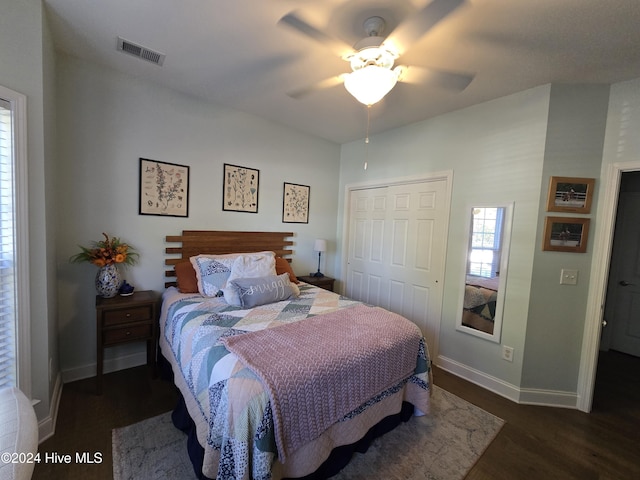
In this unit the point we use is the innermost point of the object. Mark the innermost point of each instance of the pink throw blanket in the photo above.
(318, 370)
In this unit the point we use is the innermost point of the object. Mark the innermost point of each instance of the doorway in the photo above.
(603, 258)
(621, 326)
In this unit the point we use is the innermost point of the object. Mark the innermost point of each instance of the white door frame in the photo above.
(602, 248)
(446, 175)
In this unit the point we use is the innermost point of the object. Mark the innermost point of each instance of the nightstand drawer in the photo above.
(127, 315)
(134, 332)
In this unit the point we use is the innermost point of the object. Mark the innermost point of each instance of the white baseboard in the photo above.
(47, 426)
(549, 398)
(528, 396)
(472, 375)
(110, 365)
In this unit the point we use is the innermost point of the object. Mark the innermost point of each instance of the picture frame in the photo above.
(240, 187)
(566, 234)
(164, 189)
(295, 203)
(569, 194)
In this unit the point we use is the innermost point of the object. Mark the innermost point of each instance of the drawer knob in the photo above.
(128, 333)
(128, 315)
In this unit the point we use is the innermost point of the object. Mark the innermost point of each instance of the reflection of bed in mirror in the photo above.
(484, 278)
(479, 309)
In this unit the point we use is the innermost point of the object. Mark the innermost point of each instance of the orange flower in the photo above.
(106, 252)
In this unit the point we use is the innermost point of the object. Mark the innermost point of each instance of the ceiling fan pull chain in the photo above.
(366, 139)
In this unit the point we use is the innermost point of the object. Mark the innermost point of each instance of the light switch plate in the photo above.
(568, 277)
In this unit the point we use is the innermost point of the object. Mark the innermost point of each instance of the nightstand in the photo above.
(126, 319)
(322, 282)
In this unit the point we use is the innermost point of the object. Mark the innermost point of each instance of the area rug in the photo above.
(441, 446)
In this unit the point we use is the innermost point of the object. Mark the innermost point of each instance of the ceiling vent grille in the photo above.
(139, 51)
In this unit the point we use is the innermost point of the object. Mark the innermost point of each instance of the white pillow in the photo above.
(251, 265)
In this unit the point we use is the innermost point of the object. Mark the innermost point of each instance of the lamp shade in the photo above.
(371, 83)
(320, 245)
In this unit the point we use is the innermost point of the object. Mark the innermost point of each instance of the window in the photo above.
(485, 242)
(8, 374)
(14, 305)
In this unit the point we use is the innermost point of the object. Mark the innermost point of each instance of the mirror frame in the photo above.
(502, 283)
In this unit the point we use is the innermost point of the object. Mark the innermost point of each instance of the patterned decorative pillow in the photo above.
(252, 292)
(212, 272)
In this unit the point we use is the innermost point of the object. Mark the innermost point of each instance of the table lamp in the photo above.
(319, 246)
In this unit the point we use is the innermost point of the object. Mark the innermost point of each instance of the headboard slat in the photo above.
(196, 242)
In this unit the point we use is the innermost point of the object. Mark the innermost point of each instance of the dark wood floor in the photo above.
(542, 443)
(536, 443)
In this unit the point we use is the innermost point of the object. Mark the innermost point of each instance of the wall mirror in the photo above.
(485, 274)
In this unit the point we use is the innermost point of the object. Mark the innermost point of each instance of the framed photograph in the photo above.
(240, 189)
(164, 189)
(295, 203)
(566, 234)
(567, 194)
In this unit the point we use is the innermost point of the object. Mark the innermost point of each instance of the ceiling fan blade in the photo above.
(321, 85)
(294, 21)
(439, 78)
(417, 25)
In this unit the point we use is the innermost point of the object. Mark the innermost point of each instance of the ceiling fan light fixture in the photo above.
(370, 84)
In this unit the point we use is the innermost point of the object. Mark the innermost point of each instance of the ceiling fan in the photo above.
(372, 58)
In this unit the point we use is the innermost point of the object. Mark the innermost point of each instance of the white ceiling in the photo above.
(234, 53)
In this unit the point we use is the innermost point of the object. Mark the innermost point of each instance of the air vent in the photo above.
(139, 51)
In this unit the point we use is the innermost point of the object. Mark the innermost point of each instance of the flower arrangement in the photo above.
(106, 252)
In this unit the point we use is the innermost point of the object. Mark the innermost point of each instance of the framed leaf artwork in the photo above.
(240, 189)
(295, 203)
(164, 189)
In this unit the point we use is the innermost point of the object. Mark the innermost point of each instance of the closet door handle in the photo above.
(624, 283)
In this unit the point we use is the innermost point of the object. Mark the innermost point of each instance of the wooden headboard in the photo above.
(195, 242)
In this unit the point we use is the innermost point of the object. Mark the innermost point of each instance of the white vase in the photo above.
(108, 281)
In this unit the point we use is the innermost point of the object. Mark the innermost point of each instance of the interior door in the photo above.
(623, 294)
(397, 249)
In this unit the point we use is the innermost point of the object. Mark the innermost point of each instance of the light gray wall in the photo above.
(24, 46)
(502, 151)
(496, 152)
(575, 138)
(106, 122)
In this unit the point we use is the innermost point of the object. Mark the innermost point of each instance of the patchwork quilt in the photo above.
(229, 404)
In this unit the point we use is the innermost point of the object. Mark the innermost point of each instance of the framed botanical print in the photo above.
(240, 189)
(566, 234)
(164, 189)
(295, 203)
(569, 194)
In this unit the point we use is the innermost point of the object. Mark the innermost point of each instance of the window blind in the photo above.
(8, 364)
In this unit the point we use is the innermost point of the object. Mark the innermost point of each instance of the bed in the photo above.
(284, 380)
(479, 307)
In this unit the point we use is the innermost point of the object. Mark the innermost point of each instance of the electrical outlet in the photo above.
(507, 353)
